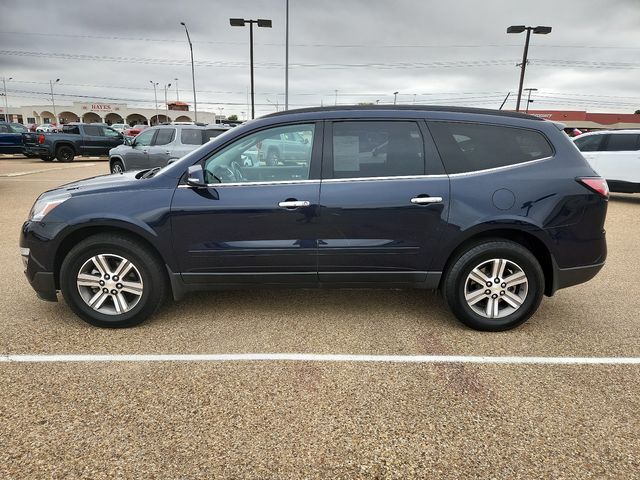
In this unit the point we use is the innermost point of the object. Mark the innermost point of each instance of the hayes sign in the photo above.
(100, 107)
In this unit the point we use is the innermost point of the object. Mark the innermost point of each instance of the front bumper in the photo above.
(39, 275)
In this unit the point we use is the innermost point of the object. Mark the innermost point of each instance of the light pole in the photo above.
(519, 29)
(336, 102)
(155, 94)
(529, 90)
(177, 94)
(241, 22)
(220, 109)
(53, 101)
(276, 103)
(166, 103)
(6, 101)
(243, 115)
(193, 74)
(395, 97)
(286, 58)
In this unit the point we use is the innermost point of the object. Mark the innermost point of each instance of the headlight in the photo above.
(43, 206)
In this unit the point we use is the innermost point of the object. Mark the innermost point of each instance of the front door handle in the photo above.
(425, 200)
(294, 203)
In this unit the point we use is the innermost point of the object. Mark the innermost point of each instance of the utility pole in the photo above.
(529, 90)
(286, 59)
(166, 103)
(6, 101)
(53, 101)
(155, 94)
(519, 29)
(193, 74)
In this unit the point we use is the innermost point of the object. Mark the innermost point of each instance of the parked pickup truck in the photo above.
(76, 139)
(11, 137)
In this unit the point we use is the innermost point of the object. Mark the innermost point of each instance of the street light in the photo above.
(272, 103)
(166, 103)
(220, 109)
(53, 102)
(177, 94)
(529, 90)
(193, 74)
(395, 97)
(6, 101)
(155, 94)
(240, 22)
(519, 29)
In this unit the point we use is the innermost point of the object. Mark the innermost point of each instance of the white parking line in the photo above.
(311, 357)
(44, 170)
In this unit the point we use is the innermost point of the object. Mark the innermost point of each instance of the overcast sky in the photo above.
(439, 52)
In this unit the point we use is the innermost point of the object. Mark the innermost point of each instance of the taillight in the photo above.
(596, 184)
(40, 139)
(259, 145)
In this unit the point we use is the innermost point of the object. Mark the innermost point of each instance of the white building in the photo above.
(106, 113)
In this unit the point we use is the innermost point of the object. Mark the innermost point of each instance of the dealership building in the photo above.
(583, 120)
(106, 113)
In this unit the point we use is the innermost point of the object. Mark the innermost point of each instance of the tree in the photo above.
(637, 112)
(232, 118)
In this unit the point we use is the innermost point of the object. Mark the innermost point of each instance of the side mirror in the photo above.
(195, 176)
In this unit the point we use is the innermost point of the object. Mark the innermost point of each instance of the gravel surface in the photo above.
(310, 420)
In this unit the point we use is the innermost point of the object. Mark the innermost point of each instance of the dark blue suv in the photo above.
(495, 209)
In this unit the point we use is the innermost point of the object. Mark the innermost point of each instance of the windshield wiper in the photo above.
(150, 173)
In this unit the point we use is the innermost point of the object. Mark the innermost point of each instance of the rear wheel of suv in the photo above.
(65, 154)
(495, 285)
(117, 166)
(112, 281)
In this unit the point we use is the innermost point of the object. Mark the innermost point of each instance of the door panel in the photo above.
(382, 220)
(251, 224)
(223, 234)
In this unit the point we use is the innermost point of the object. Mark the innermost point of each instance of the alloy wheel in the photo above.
(110, 284)
(496, 288)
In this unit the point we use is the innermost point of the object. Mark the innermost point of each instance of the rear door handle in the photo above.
(294, 204)
(425, 200)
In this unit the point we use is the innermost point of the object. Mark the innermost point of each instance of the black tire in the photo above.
(117, 166)
(273, 157)
(65, 153)
(46, 159)
(151, 269)
(454, 284)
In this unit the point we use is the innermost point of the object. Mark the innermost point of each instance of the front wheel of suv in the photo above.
(113, 281)
(495, 285)
(117, 166)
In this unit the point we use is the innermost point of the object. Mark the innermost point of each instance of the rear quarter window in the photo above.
(191, 136)
(623, 142)
(468, 147)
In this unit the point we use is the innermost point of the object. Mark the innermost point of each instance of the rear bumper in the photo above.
(38, 151)
(568, 277)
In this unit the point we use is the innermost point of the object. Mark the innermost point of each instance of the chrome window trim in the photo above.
(504, 167)
(378, 179)
(251, 184)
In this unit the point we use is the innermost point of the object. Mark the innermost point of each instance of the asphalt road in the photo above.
(315, 419)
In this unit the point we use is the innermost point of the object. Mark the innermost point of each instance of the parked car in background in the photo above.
(135, 130)
(76, 139)
(494, 208)
(119, 127)
(47, 128)
(213, 131)
(615, 155)
(285, 148)
(156, 147)
(11, 137)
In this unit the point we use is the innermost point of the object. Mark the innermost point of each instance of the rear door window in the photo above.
(94, 131)
(165, 136)
(622, 142)
(71, 129)
(377, 149)
(590, 143)
(468, 147)
(191, 136)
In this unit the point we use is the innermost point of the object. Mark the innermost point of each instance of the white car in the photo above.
(615, 155)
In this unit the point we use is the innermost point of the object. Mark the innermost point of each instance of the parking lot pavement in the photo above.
(318, 419)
